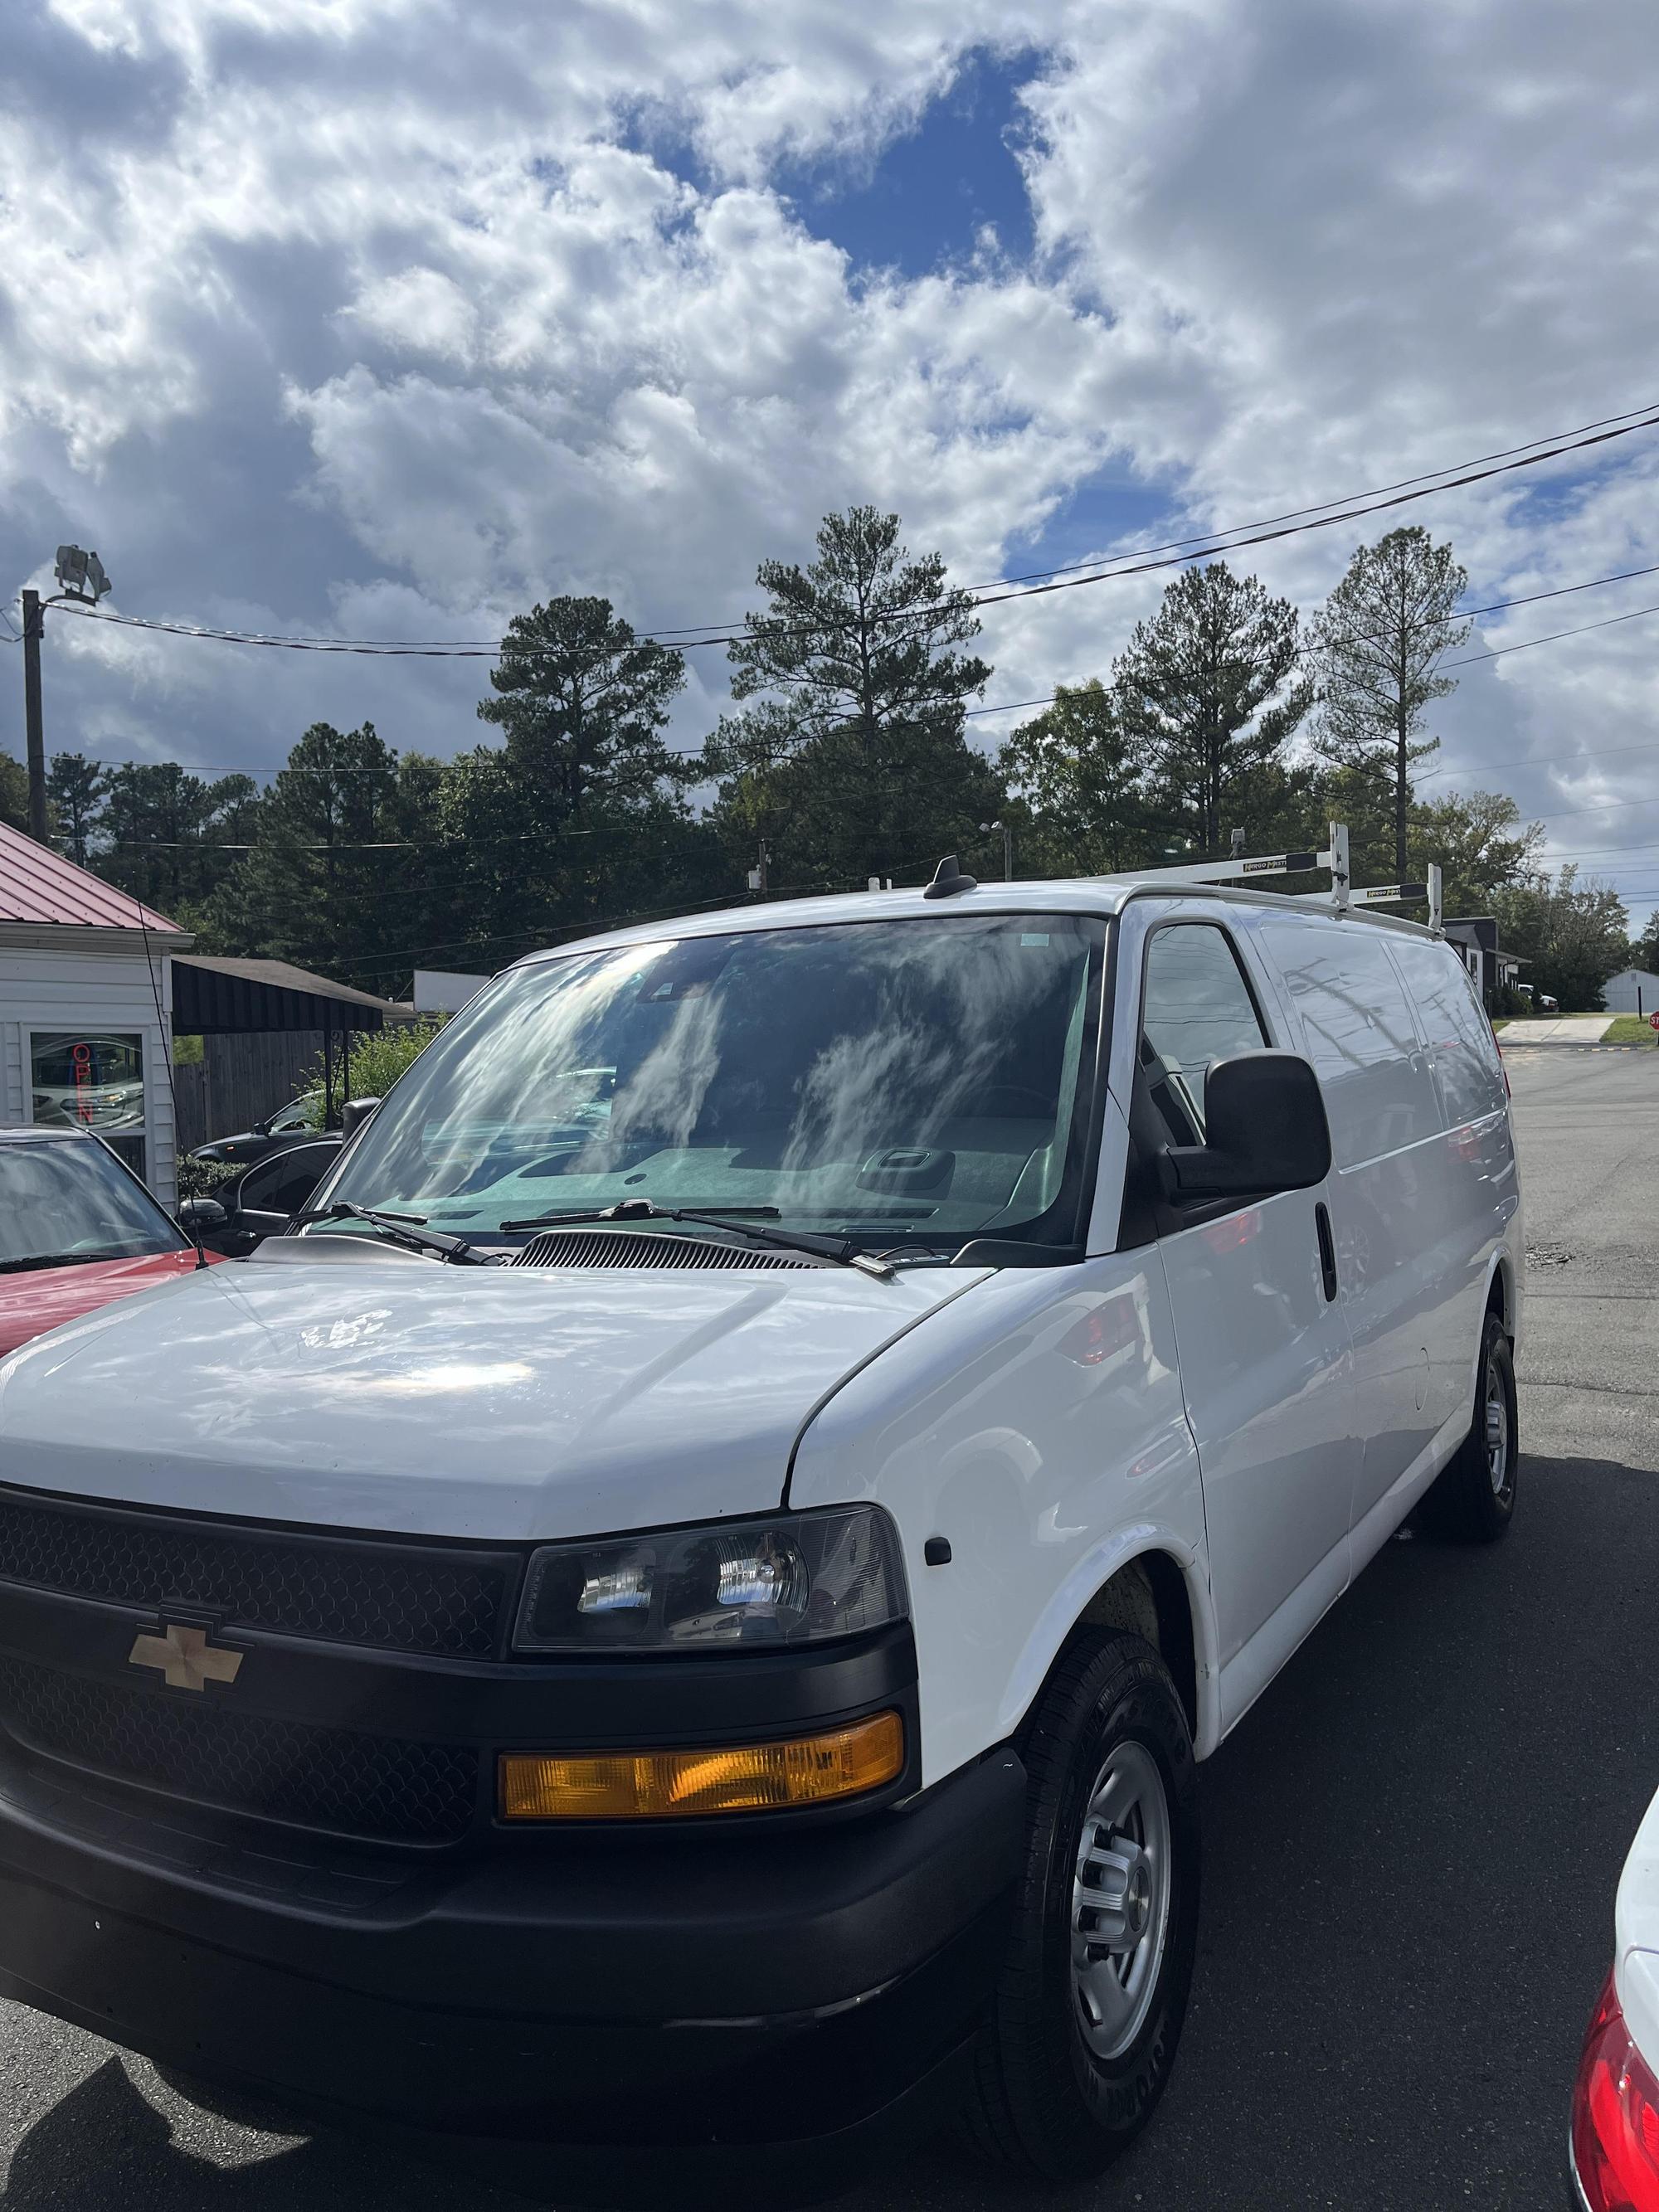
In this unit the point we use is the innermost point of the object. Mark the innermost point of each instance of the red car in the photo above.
(77, 1229)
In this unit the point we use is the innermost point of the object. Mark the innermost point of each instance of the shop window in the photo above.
(91, 1080)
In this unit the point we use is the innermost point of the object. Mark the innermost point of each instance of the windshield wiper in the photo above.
(737, 1218)
(60, 1260)
(405, 1229)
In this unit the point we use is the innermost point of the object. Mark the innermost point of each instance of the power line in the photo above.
(1529, 760)
(1294, 513)
(1139, 562)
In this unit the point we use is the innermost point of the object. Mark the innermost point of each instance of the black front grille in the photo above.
(380, 1788)
(398, 1598)
(648, 1247)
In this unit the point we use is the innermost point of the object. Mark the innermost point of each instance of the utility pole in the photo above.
(1008, 829)
(758, 873)
(34, 619)
(82, 576)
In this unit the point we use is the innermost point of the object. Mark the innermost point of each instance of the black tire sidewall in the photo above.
(1093, 2108)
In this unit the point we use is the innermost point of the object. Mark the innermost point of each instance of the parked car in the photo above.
(77, 1229)
(263, 1198)
(1615, 2106)
(302, 1118)
(739, 1584)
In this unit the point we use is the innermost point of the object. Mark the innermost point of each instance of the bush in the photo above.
(204, 1178)
(377, 1059)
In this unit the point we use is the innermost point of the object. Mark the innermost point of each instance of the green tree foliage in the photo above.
(328, 882)
(1210, 693)
(14, 792)
(376, 1061)
(583, 704)
(164, 834)
(1571, 935)
(74, 790)
(852, 760)
(1082, 784)
(1481, 844)
(1644, 949)
(1377, 644)
(581, 810)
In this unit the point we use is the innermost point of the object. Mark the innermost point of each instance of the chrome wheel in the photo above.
(1121, 1900)
(1497, 1431)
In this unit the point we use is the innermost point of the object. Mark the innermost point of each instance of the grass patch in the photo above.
(1631, 1029)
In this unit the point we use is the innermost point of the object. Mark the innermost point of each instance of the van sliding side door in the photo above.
(1264, 1361)
(1398, 1225)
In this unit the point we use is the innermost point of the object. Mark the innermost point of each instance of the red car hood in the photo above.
(43, 1297)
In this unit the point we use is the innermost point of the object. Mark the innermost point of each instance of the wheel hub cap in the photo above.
(1121, 1900)
(1497, 1434)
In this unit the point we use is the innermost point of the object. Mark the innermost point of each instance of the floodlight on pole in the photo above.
(82, 577)
(990, 828)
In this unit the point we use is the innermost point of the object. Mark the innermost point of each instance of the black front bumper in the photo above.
(663, 1991)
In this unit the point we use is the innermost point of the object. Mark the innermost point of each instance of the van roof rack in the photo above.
(1241, 867)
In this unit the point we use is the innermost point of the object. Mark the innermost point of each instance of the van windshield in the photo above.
(899, 1083)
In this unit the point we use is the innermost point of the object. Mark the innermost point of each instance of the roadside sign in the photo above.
(1653, 1021)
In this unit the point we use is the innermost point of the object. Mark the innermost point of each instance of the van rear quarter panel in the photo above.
(1038, 1424)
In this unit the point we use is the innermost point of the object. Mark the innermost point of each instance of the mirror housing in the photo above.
(199, 1215)
(355, 1113)
(1266, 1130)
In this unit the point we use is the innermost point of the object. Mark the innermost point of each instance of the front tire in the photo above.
(1094, 1987)
(1473, 1499)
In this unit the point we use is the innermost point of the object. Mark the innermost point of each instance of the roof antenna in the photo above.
(193, 1231)
(949, 880)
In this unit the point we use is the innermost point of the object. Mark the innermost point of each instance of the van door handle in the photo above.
(1327, 1249)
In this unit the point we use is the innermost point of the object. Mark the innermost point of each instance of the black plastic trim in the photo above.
(831, 1914)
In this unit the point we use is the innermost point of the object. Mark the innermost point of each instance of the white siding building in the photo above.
(86, 1007)
(1632, 991)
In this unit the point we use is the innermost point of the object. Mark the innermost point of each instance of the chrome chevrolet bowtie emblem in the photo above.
(186, 1658)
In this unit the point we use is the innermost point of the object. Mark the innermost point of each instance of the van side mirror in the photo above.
(1265, 1131)
(355, 1113)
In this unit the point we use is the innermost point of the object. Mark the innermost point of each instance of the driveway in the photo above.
(1564, 1028)
(1412, 1843)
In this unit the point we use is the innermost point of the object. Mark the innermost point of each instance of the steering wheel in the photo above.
(1044, 1106)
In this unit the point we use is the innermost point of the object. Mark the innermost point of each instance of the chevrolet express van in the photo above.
(673, 1616)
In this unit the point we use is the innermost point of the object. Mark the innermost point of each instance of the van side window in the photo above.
(1463, 1050)
(1198, 1009)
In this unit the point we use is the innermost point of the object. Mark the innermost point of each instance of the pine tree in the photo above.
(1377, 644)
(75, 789)
(853, 761)
(1211, 689)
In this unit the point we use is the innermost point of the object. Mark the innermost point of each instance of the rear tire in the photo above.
(1473, 1499)
(1092, 1996)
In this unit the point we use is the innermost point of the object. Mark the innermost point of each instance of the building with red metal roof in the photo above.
(86, 998)
(39, 887)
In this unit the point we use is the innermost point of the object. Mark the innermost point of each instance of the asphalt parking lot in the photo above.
(1411, 1845)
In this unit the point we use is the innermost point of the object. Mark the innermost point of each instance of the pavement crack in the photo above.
(1594, 1389)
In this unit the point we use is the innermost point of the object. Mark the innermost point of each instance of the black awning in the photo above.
(215, 998)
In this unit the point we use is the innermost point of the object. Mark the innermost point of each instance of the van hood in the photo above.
(359, 1388)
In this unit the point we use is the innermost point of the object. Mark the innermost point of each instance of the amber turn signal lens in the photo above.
(632, 1785)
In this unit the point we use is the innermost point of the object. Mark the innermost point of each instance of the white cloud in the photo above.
(351, 313)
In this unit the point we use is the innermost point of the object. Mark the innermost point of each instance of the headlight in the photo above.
(798, 1579)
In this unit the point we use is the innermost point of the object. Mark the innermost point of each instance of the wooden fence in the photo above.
(241, 1077)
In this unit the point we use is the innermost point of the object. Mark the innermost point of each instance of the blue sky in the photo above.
(386, 321)
(934, 189)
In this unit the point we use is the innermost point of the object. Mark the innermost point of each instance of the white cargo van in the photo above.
(680, 1620)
